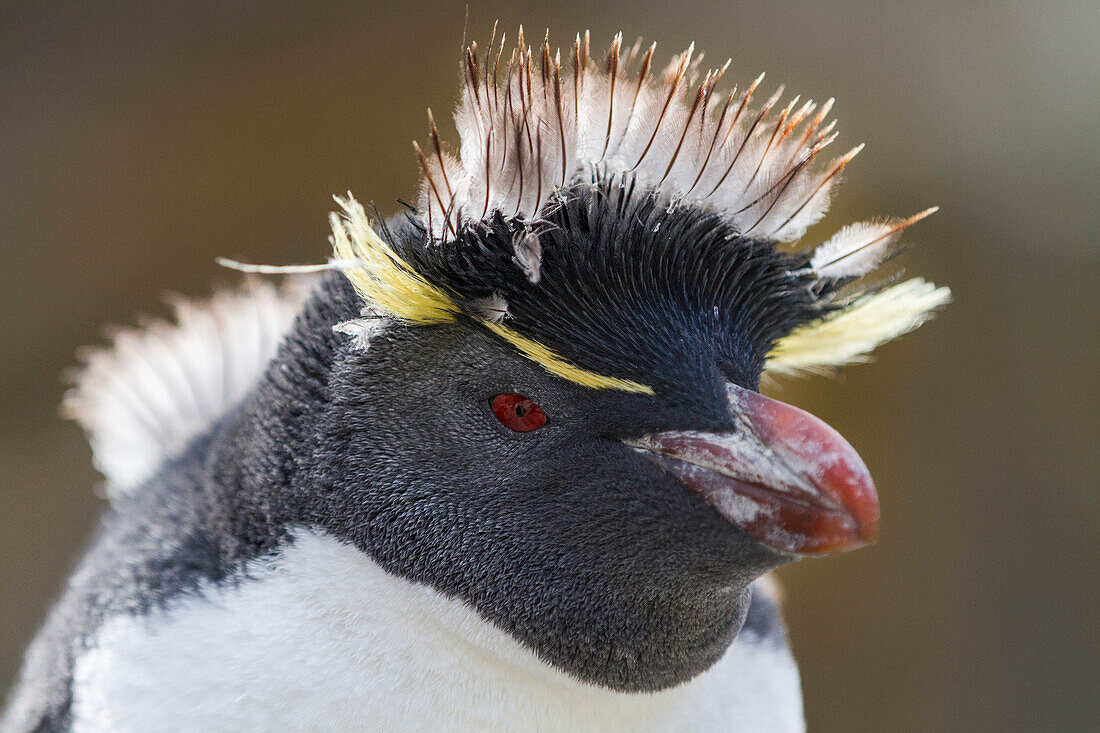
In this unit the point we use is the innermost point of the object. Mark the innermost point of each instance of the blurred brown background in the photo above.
(139, 142)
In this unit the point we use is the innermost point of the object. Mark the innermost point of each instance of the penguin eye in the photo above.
(517, 412)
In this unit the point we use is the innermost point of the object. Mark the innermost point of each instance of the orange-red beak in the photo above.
(783, 476)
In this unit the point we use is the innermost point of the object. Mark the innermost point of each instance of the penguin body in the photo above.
(506, 464)
(253, 625)
(320, 638)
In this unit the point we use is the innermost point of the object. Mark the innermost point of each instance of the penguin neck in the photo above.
(348, 643)
(259, 451)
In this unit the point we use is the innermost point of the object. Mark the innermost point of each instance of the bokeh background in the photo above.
(140, 140)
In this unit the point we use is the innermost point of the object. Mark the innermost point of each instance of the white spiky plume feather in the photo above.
(142, 399)
(530, 126)
(861, 247)
(528, 255)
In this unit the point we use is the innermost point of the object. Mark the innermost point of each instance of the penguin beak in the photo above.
(783, 476)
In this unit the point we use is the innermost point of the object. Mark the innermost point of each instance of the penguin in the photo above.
(503, 462)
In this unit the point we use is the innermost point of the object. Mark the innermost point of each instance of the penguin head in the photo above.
(541, 390)
(583, 458)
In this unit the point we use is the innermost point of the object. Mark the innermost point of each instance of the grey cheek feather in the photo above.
(475, 516)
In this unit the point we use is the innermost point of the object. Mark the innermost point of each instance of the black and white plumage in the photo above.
(348, 531)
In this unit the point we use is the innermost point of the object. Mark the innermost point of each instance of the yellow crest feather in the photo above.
(389, 285)
(549, 360)
(380, 276)
(850, 335)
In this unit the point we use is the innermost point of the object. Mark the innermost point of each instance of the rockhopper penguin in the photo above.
(504, 464)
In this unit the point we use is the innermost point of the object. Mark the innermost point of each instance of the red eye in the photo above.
(518, 413)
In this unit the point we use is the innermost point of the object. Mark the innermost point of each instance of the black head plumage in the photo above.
(630, 283)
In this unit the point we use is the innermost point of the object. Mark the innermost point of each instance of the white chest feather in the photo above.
(321, 638)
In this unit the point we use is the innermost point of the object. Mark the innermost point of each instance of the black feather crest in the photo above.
(632, 284)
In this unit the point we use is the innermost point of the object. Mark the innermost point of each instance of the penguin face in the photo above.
(547, 408)
(566, 536)
(615, 532)
(618, 256)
